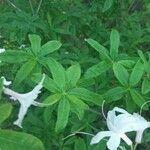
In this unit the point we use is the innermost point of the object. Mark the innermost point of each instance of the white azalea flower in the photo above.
(5, 82)
(26, 100)
(139, 124)
(117, 126)
(1, 51)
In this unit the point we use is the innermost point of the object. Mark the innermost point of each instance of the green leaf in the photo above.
(13, 56)
(107, 5)
(77, 106)
(121, 73)
(50, 100)
(101, 49)
(146, 86)
(48, 114)
(23, 72)
(58, 72)
(80, 144)
(73, 74)
(35, 43)
(50, 85)
(97, 69)
(5, 111)
(114, 94)
(87, 95)
(127, 63)
(63, 114)
(136, 74)
(142, 56)
(50, 47)
(100, 146)
(137, 98)
(114, 44)
(145, 61)
(86, 82)
(130, 105)
(19, 141)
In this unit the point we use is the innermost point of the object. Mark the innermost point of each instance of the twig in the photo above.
(13, 5)
(135, 146)
(30, 2)
(39, 6)
(73, 134)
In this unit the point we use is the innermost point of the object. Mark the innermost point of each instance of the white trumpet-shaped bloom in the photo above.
(5, 82)
(2, 50)
(137, 122)
(118, 126)
(141, 124)
(26, 100)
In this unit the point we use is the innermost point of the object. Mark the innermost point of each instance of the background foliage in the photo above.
(90, 50)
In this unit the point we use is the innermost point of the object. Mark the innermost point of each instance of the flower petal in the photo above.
(126, 139)
(29, 97)
(22, 113)
(139, 135)
(120, 110)
(114, 142)
(110, 120)
(5, 82)
(2, 50)
(124, 123)
(99, 136)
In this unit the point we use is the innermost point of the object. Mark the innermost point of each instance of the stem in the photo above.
(30, 2)
(39, 6)
(132, 147)
(135, 146)
(13, 5)
(131, 5)
(94, 111)
(73, 134)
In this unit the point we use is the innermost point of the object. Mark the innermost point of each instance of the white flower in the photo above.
(118, 126)
(5, 82)
(137, 122)
(26, 100)
(1, 51)
(141, 125)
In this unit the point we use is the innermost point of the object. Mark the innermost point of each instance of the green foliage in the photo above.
(31, 57)
(91, 51)
(63, 114)
(63, 85)
(5, 111)
(17, 140)
(121, 73)
(114, 44)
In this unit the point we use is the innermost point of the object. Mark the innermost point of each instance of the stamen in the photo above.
(143, 106)
(103, 110)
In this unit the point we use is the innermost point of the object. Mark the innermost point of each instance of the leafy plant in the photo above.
(107, 69)
(65, 90)
(31, 57)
